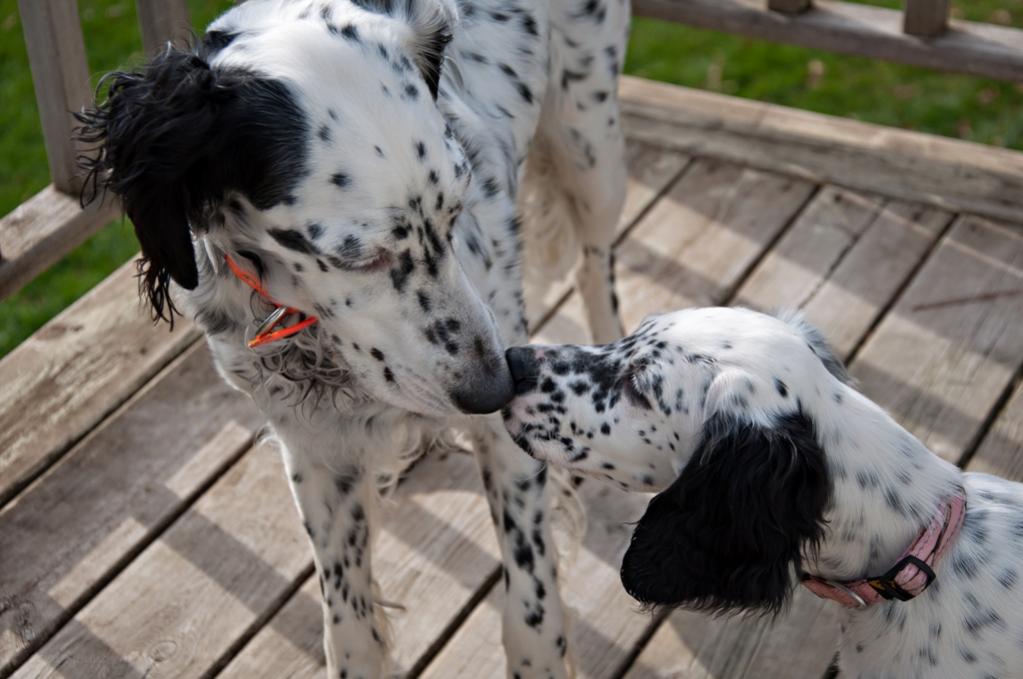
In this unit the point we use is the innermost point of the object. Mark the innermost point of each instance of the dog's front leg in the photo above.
(335, 496)
(521, 501)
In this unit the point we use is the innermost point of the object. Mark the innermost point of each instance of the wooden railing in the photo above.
(50, 224)
(43, 229)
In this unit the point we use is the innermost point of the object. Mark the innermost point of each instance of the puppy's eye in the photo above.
(634, 394)
(635, 382)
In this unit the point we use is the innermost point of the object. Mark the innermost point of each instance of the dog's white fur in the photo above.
(649, 430)
(393, 217)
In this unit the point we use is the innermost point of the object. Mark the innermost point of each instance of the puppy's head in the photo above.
(309, 145)
(713, 407)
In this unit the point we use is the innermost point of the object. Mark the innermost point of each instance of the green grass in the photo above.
(968, 108)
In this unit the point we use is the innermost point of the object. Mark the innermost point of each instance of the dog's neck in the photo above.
(887, 486)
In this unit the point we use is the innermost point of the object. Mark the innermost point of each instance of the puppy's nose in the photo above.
(524, 367)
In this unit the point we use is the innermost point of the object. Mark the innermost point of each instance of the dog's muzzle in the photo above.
(489, 390)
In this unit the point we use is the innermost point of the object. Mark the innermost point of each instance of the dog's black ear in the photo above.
(171, 140)
(729, 533)
(432, 23)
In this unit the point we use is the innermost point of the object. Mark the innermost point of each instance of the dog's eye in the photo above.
(381, 260)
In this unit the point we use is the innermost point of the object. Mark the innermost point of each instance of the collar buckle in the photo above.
(889, 588)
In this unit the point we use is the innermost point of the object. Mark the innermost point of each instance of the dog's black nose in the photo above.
(524, 367)
(488, 390)
(485, 396)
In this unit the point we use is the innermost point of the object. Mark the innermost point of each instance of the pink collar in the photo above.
(912, 574)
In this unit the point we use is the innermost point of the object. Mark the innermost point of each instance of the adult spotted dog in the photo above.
(771, 466)
(335, 187)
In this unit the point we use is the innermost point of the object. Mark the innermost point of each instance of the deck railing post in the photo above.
(789, 6)
(926, 18)
(162, 21)
(60, 74)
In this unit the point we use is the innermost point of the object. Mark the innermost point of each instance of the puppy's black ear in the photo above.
(728, 534)
(171, 140)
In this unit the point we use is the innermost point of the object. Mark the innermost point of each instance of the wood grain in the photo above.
(182, 602)
(163, 21)
(926, 18)
(789, 6)
(181, 607)
(945, 173)
(703, 236)
(76, 370)
(112, 494)
(977, 49)
(698, 646)
(435, 549)
(60, 74)
(941, 358)
(843, 261)
(1001, 451)
(40, 231)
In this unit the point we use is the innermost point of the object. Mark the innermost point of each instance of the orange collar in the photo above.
(265, 333)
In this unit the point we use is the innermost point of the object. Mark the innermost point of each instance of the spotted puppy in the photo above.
(334, 188)
(771, 469)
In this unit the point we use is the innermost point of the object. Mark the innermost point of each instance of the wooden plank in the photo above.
(692, 247)
(651, 170)
(789, 6)
(60, 74)
(178, 607)
(40, 231)
(1001, 452)
(436, 548)
(946, 173)
(973, 48)
(692, 645)
(946, 352)
(163, 21)
(926, 18)
(703, 236)
(72, 373)
(222, 568)
(696, 243)
(605, 622)
(843, 260)
(111, 495)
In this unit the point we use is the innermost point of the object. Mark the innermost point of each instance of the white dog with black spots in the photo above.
(360, 162)
(771, 468)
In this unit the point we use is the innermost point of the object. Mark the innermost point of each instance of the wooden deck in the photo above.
(144, 534)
